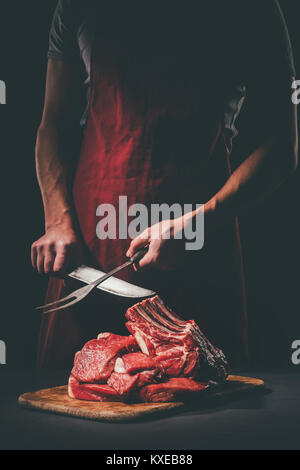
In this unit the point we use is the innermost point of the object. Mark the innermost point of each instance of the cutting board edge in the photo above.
(27, 400)
(149, 409)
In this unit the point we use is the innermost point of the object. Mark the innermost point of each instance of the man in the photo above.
(165, 87)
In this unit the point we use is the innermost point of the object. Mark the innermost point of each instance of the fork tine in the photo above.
(57, 302)
(60, 307)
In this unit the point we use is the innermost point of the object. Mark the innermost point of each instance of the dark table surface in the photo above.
(258, 421)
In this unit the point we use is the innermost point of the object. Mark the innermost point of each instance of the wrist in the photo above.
(212, 216)
(62, 219)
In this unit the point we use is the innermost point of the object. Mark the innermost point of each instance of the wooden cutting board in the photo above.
(56, 400)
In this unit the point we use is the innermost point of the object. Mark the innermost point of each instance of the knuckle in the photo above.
(65, 244)
(61, 245)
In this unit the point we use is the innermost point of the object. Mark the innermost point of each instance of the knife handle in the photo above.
(138, 255)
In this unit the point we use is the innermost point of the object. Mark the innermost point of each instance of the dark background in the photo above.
(270, 233)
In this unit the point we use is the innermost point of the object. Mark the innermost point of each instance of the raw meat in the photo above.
(164, 359)
(160, 332)
(96, 361)
(134, 362)
(122, 383)
(171, 390)
(125, 383)
(91, 392)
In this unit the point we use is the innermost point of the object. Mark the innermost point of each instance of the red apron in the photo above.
(150, 136)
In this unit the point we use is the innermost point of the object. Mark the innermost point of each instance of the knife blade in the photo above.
(112, 285)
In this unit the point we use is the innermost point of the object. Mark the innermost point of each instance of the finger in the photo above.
(148, 260)
(145, 262)
(33, 256)
(40, 260)
(138, 242)
(60, 259)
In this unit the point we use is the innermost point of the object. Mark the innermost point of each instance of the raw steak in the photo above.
(96, 361)
(133, 363)
(172, 389)
(125, 383)
(160, 333)
(92, 392)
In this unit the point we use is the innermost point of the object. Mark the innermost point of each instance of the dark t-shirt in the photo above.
(248, 41)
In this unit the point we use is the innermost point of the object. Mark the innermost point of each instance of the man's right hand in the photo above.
(55, 251)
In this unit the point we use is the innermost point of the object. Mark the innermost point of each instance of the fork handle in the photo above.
(134, 259)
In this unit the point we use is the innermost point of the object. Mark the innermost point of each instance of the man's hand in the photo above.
(56, 250)
(166, 245)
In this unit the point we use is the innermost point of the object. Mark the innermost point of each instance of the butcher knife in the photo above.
(118, 288)
(112, 285)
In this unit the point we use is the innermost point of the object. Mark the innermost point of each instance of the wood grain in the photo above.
(56, 400)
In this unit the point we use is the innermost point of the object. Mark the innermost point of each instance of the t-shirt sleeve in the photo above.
(63, 44)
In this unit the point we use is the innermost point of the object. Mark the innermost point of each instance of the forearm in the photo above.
(251, 182)
(261, 173)
(54, 175)
(59, 247)
(258, 176)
